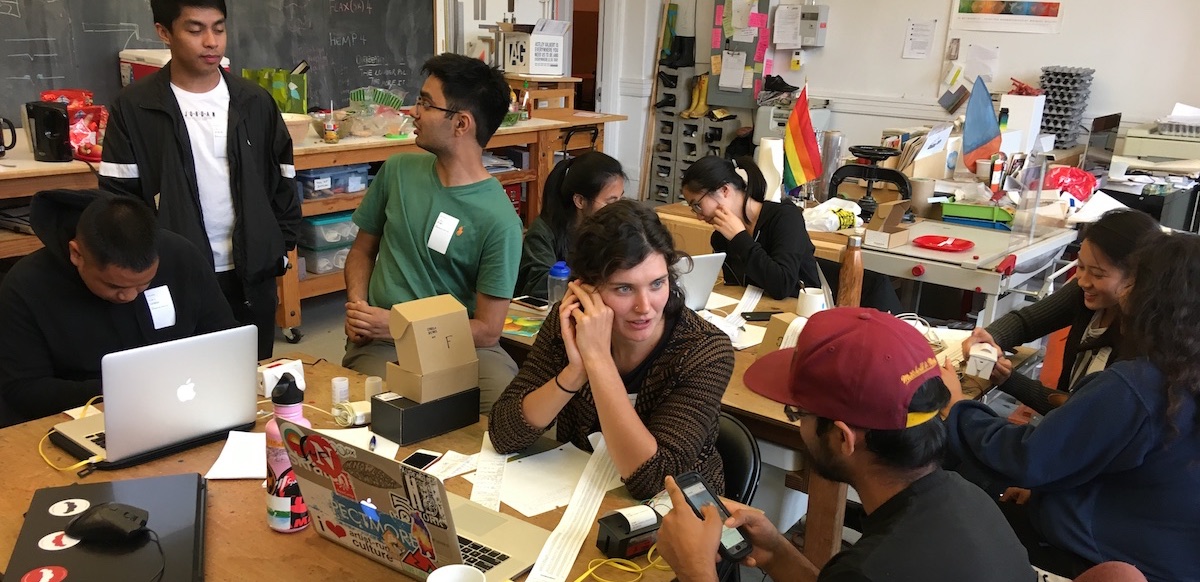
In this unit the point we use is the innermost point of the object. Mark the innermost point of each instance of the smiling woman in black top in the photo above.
(766, 242)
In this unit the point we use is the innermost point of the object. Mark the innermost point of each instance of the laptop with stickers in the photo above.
(175, 503)
(164, 398)
(400, 516)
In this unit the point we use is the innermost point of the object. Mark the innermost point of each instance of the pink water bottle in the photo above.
(286, 511)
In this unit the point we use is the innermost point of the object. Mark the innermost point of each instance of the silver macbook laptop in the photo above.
(167, 397)
(400, 516)
(697, 280)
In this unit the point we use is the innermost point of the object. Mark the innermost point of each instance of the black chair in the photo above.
(739, 453)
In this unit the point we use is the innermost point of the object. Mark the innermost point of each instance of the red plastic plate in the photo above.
(943, 243)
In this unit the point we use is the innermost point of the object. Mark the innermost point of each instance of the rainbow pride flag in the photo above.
(801, 157)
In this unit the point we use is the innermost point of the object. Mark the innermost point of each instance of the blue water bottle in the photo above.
(556, 282)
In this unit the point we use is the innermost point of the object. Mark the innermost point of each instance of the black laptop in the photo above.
(176, 506)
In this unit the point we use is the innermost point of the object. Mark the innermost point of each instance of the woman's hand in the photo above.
(593, 321)
(1001, 371)
(570, 304)
(727, 224)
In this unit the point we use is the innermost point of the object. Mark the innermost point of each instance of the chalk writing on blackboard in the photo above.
(10, 8)
(131, 28)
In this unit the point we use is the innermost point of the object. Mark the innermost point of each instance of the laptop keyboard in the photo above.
(97, 439)
(478, 555)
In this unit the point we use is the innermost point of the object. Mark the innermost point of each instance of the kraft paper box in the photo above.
(885, 231)
(773, 337)
(432, 334)
(432, 385)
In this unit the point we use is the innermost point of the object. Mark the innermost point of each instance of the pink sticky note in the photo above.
(760, 52)
(719, 14)
(768, 66)
(716, 38)
(758, 83)
(758, 20)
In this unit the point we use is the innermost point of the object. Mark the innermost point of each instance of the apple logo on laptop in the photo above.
(186, 391)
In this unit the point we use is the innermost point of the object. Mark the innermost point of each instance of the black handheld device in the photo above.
(734, 545)
(758, 315)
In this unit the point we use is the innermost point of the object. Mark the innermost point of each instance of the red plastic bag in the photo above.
(1073, 181)
(74, 98)
(86, 131)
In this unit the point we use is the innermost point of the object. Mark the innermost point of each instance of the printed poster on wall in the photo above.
(1033, 17)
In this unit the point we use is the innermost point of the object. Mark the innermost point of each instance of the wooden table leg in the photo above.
(287, 313)
(541, 155)
(826, 509)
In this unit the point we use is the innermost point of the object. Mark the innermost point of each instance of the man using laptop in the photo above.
(107, 280)
(437, 223)
(875, 427)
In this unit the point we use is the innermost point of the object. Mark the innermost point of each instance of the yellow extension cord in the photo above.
(655, 562)
(80, 464)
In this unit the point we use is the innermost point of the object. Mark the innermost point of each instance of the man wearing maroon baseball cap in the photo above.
(866, 390)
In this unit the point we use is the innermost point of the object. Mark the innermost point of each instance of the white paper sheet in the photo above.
(750, 336)
(244, 457)
(749, 300)
(489, 475)
(545, 481)
(77, 413)
(560, 551)
(361, 438)
(716, 300)
(787, 27)
(733, 66)
(981, 61)
(452, 464)
(918, 37)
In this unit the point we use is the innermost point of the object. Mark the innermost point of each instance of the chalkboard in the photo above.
(56, 44)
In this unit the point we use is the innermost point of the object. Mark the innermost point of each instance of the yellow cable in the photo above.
(88, 404)
(80, 464)
(656, 563)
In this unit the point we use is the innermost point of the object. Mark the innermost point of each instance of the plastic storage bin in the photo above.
(976, 212)
(324, 261)
(326, 182)
(328, 231)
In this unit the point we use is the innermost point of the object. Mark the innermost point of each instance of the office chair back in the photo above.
(742, 460)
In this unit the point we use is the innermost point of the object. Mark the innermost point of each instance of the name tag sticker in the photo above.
(162, 307)
(220, 138)
(443, 231)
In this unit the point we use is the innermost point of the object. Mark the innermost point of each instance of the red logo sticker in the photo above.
(46, 574)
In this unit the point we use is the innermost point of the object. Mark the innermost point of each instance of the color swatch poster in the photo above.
(1033, 17)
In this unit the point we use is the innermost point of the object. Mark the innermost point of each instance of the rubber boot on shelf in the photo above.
(687, 113)
(700, 104)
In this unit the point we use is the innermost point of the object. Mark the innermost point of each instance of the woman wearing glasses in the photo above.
(623, 357)
(766, 242)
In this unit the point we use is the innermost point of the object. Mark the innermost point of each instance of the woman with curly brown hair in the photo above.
(624, 357)
(1115, 471)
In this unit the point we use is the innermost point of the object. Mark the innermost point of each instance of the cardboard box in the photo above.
(433, 385)
(773, 338)
(404, 421)
(432, 334)
(692, 235)
(885, 231)
(541, 52)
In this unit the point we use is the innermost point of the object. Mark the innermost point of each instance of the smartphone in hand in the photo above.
(734, 545)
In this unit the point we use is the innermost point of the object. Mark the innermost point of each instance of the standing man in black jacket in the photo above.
(211, 154)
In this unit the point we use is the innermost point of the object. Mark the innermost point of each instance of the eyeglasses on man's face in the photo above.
(425, 103)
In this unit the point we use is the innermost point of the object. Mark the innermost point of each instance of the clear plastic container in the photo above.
(324, 261)
(328, 231)
(556, 282)
(326, 182)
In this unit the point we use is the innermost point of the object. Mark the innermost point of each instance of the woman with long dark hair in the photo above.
(766, 243)
(1114, 472)
(1088, 304)
(575, 188)
(623, 357)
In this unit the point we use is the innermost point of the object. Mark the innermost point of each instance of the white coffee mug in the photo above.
(810, 301)
(456, 573)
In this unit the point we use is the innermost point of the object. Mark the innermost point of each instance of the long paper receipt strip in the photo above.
(559, 553)
(489, 476)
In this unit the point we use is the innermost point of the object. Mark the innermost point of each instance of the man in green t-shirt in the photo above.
(438, 223)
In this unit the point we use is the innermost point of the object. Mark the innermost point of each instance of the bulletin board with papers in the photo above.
(738, 41)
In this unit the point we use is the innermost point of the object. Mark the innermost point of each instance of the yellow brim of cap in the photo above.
(915, 418)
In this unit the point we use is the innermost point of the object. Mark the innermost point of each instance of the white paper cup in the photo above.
(983, 170)
(810, 301)
(456, 573)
